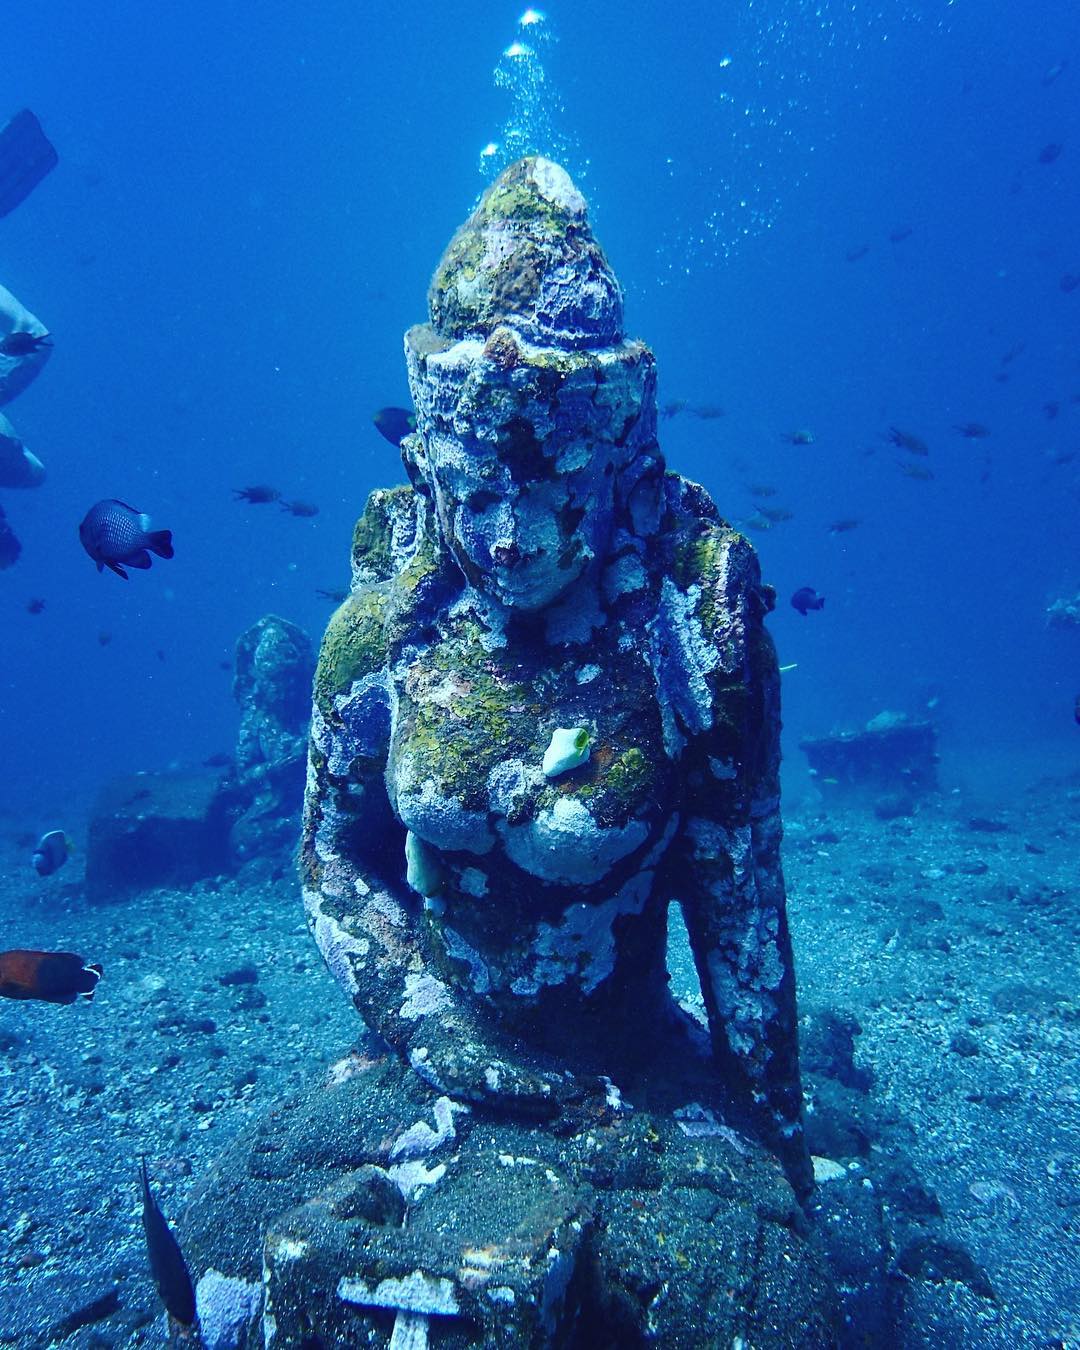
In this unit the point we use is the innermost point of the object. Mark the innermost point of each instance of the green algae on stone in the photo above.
(629, 776)
(528, 257)
(353, 645)
(373, 534)
(457, 754)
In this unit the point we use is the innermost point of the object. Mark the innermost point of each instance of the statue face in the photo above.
(521, 530)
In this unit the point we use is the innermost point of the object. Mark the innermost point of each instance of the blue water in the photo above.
(249, 205)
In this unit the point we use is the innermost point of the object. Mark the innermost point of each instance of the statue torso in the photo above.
(468, 734)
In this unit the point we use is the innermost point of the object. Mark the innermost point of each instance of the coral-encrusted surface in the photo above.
(502, 928)
(526, 256)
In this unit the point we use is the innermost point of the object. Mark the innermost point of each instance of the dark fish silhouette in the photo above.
(972, 431)
(673, 408)
(167, 1264)
(1050, 152)
(1069, 282)
(114, 533)
(854, 254)
(23, 344)
(339, 597)
(1076, 710)
(35, 606)
(394, 423)
(906, 441)
(806, 598)
(1058, 68)
(52, 852)
(1051, 409)
(104, 638)
(49, 977)
(221, 759)
(843, 526)
(708, 412)
(761, 489)
(803, 436)
(776, 514)
(901, 233)
(302, 509)
(259, 494)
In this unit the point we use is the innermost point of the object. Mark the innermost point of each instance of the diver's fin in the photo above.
(26, 156)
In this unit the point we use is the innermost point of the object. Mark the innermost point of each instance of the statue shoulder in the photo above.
(388, 534)
(354, 645)
(712, 575)
(714, 566)
(398, 576)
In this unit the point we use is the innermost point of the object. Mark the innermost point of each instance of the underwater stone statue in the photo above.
(547, 711)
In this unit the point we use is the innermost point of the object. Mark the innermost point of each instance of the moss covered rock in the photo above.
(527, 257)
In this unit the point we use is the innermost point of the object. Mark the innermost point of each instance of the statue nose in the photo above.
(506, 555)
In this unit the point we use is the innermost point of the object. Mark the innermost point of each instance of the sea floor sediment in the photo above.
(939, 1016)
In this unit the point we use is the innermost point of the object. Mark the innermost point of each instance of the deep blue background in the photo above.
(251, 200)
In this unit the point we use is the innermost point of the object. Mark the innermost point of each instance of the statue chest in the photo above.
(470, 730)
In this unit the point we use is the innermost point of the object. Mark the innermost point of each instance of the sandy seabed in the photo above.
(940, 1014)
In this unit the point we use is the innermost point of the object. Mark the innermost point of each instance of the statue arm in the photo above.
(728, 875)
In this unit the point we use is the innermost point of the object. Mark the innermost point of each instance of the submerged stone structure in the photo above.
(500, 926)
(272, 685)
(547, 711)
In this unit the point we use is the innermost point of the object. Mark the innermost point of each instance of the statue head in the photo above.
(529, 402)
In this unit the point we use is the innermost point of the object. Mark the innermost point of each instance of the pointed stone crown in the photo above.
(526, 257)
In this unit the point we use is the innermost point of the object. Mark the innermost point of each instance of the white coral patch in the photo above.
(582, 945)
(460, 950)
(413, 1178)
(622, 577)
(681, 658)
(565, 844)
(420, 1138)
(473, 882)
(424, 995)
(339, 948)
(417, 1292)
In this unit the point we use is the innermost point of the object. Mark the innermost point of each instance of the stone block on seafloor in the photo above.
(488, 1258)
(378, 1212)
(891, 754)
(155, 829)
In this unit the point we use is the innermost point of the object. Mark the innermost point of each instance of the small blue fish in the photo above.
(52, 852)
(113, 533)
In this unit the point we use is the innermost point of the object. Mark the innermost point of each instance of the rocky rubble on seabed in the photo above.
(940, 1018)
(940, 1030)
(214, 1002)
